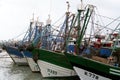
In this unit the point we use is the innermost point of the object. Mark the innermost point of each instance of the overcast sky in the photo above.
(15, 15)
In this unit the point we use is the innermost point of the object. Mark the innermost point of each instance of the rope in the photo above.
(58, 19)
(100, 16)
(107, 17)
(109, 24)
(19, 35)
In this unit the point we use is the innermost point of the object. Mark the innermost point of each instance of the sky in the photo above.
(15, 15)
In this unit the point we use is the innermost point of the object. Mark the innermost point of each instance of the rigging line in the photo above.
(110, 23)
(97, 14)
(100, 16)
(61, 23)
(19, 35)
(107, 17)
(101, 26)
(58, 25)
(58, 19)
(55, 29)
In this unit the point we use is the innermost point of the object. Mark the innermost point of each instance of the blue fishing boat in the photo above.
(16, 55)
(15, 49)
(28, 54)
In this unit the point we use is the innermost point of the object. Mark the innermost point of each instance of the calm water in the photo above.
(10, 71)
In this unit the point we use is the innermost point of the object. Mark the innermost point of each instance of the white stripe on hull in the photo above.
(33, 66)
(51, 70)
(18, 60)
(86, 75)
(114, 71)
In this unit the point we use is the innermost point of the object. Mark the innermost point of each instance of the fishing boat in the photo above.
(52, 62)
(96, 67)
(100, 61)
(16, 55)
(31, 62)
(15, 48)
(28, 52)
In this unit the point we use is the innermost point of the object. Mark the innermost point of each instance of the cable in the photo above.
(58, 19)
(19, 35)
(107, 17)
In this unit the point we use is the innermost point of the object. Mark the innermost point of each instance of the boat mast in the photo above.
(30, 30)
(66, 28)
(28, 34)
(85, 23)
(80, 10)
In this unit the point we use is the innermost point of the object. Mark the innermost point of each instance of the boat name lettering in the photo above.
(52, 71)
(91, 75)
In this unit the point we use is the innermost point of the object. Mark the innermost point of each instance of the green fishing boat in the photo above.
(91, 66)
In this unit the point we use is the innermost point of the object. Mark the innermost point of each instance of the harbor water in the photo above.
(10, 71)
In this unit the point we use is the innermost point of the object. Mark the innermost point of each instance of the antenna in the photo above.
(33, 17)
(81, 6)
(48, 20)
(32, 20)
(68, 6)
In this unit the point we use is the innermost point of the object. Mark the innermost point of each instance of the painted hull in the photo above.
(16, 56)
(32, 64)
(53, 64)
(18, 60)
(52, 70)
(95, 67)
(87, 75)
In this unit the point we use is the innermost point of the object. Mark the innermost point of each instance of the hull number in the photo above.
(52, 71)
(89, 74)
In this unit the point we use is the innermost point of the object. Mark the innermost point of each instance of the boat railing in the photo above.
(103, 56)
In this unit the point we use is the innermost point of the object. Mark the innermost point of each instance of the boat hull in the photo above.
(51, 70)
(95, 67)
(18, 60)
(53, 64)
(32, 64)
(87, 75)
(16, 55)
